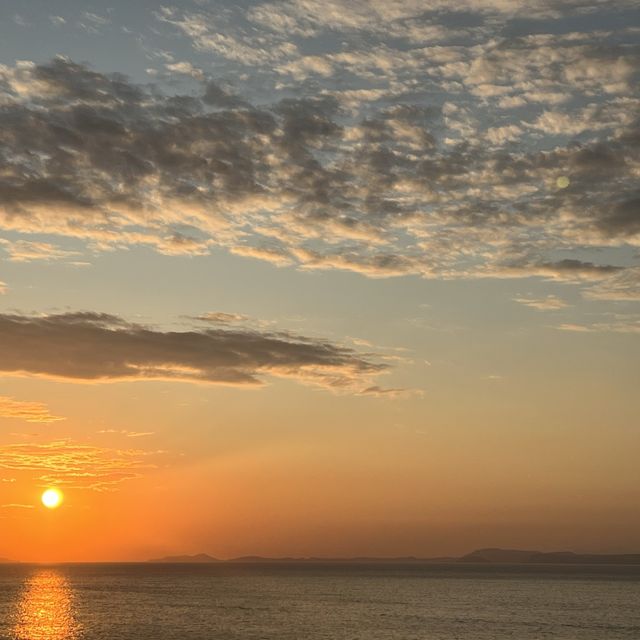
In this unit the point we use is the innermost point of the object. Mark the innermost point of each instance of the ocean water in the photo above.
(318, 602)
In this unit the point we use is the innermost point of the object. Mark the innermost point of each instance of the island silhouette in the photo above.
(479, 556)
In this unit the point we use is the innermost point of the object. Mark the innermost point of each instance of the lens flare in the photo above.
(52, 498)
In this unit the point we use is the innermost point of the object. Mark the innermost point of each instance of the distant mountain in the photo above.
(493, 556)
(204, 558)
(568, 557)
(4, 561)
(356, 560)
(200, 558)
(480, 556)
(516, 556)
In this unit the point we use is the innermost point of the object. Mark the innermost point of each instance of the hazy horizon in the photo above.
(318, 277)
(249, 558)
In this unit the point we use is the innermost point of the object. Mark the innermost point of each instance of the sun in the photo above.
(52, 498)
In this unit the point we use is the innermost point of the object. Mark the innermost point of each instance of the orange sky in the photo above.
(335, 476)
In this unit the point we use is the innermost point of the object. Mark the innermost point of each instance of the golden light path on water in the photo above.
(45, 610)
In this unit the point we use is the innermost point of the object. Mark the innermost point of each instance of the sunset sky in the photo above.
(319, 277)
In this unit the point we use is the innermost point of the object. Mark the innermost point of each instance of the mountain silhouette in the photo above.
(201, 558)
(479, 556)
(517, 556)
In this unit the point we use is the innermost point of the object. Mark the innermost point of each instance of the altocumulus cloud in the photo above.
(438, 190)
(100, 348)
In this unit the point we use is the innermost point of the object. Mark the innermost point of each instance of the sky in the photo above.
(319, 277)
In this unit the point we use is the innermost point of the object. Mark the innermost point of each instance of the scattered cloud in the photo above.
(548, 303)
(92, 22)
(115, 164)
(619, 324)
(27, 251)
(70, 464)
(430, 142)
(28, 411)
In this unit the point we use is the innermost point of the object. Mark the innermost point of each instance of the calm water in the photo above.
(127, 602)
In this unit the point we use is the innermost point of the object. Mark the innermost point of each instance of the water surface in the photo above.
(318, 602)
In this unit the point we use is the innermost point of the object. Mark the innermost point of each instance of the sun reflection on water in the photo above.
(45, 609)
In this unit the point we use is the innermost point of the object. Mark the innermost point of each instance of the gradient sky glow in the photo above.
(319, 277)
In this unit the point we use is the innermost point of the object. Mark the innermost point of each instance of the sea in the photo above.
(302, 601)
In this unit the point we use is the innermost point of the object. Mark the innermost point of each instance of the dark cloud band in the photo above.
(99, 347)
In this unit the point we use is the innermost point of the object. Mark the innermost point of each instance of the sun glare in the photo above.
(52, 498)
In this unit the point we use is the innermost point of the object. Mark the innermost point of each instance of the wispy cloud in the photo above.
(28, 411)
(618, 324)
(71, 464)
(624, 286)
(221, 317)
(27, 251)
(126, 433)
(97, 347)
(548, 303)
(381, 392)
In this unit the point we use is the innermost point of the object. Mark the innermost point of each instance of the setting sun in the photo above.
(52, 498)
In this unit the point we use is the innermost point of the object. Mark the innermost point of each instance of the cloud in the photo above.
(278, 257)
(548, 303)
(126, 433)
(26, 251)
(92, 22)
(500, 135)
(74, 465)
(380, 392)
(395, 188)
(220, 317)
(624, 218)
(311, 17)
(619, 324)
(184, 67)
(211, 33)
(93, 347)
(29, 411)
(572, 270)
(623, 286)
